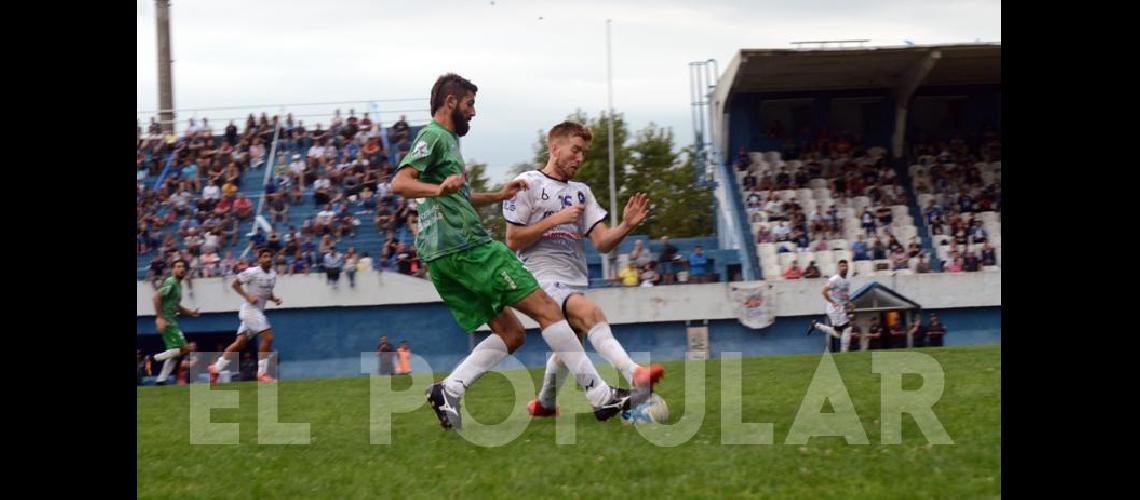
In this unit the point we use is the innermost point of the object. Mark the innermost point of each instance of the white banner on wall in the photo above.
(754, 302)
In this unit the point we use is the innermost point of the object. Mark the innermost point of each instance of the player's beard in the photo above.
(462, 124)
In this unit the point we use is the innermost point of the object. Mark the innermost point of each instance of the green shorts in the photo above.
(172, 336)
(477, 283)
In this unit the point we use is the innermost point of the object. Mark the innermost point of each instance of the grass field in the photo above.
(608, 459)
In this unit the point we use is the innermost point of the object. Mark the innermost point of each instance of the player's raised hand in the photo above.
(196, 312)
(277, 300)
(568, 215)
(636, 209)
(450, 185)
(511, 188)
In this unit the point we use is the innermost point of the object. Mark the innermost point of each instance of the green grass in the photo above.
(608, 459)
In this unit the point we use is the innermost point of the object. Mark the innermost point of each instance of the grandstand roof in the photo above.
(789, 70)
(876, 297)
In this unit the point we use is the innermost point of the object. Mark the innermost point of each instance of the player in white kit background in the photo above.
(255, 286)
(546, 225)
(837, 294)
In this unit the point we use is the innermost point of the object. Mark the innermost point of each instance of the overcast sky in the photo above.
(534, 62)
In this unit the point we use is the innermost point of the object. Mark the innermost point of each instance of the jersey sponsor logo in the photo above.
(562, 235)
(511, 205)
(420, 150)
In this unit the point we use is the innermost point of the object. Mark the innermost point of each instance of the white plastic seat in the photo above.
(839, 244)
(805, 258)
(864, 268)
(787, 258)
(838, 255)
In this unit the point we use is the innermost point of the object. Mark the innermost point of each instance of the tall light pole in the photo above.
(610, 115)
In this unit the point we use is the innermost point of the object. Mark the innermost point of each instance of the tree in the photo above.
(678, 207)
(491, 215)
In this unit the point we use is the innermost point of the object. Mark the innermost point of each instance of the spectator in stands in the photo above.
(989, 256)
(955, 265)
(365, 263)
(937, 228)
(629, 275)
(212, 192)
(403, 260)
(280, 210)
(913, 249)
(971, 264)
(350, 261)
(273, 243)
(812, 270)
(935, 331)
(763, 235)
(868, 221)
(323, 224)
(883, 214)
(961, 237)
(749, 182)
(818, 221)
(978, 233)
(932, 212)
(793, 271)
(893, 243)
(859, 249)
(781, 232)
(640, 255)
(802, 242)
(243, 207)
(878, 252)
(922, 267)
(401, 128)
(697, 263)
(334, 262)
(743, 161)
(229, 229)
(322, 190)
(649, 276)
(667, 260)
(899, 259)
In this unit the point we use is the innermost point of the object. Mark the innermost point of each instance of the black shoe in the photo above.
(811, 327)
(446, 406)
(160, 383)
(620, 400)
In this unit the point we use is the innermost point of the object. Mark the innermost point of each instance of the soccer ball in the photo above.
(652, 411)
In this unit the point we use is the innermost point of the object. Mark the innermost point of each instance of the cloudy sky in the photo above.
(534, 61)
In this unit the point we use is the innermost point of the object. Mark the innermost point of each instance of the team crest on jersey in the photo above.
(420, 150)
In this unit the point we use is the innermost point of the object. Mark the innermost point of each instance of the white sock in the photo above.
(221, 363)
(164, 355)
(602, 338)
(825, 329)
(167, 367)
(845, 339)
(482, 359)
(263, 365)
(560, 337)
(552, 380)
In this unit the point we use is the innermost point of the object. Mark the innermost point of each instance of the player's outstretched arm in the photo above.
(188, 312)
(606, 238)
(159, 321)
(407, 183)
(508, 192)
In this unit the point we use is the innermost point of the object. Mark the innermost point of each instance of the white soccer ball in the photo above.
(652, 411)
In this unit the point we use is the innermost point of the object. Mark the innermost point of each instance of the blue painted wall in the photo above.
(328, 342)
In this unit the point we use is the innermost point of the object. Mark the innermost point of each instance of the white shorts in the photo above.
(560, 292)
(837, 316)
(253, 321)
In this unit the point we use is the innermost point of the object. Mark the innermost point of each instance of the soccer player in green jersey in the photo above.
(167, 308)
(479, 278)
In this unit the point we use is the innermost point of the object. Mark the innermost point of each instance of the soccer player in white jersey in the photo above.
(837, 293)
(546, 226)
(255, 286)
